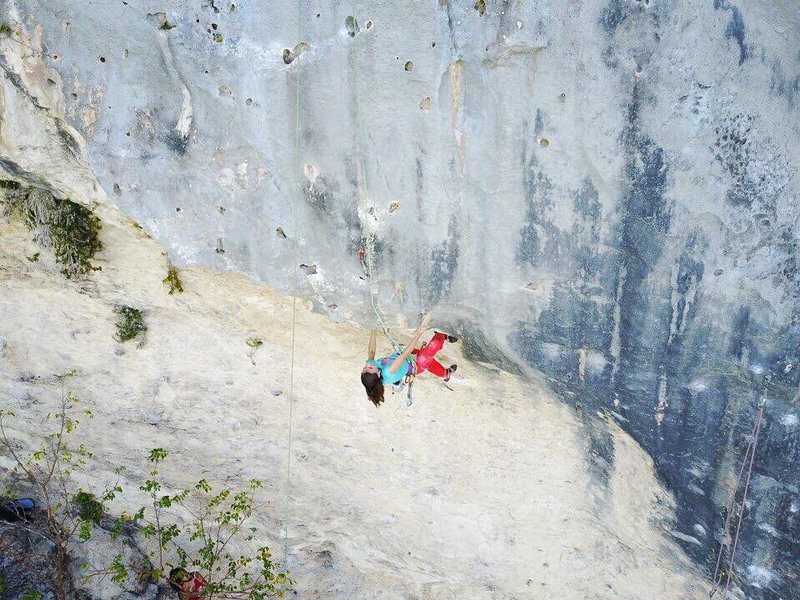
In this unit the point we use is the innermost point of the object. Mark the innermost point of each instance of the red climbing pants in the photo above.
(425, 356)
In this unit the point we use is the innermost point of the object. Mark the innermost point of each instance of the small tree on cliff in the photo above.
(50, 469)
(220, 521)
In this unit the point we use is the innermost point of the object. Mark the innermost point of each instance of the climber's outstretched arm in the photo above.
(400, 360)
(372, 345)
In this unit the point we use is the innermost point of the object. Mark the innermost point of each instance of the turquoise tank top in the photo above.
(384, 363)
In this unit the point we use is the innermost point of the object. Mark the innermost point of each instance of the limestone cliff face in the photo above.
(603, 191)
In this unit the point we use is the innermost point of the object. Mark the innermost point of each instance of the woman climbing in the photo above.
(412, 361)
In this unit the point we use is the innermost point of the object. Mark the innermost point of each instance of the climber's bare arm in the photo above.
(400, 360)
(372, 345)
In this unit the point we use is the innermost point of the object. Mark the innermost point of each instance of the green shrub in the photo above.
(254, 342)
(70, 230)
(173, 280)
(52, 468)
(130, 323)
(220, 521)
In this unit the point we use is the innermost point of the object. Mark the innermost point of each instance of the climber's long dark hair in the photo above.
(374, 387)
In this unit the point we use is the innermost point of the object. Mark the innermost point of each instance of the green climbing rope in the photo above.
(368, 241)
(297, 132)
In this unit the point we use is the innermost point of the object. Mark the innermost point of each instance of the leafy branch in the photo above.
(219, 523)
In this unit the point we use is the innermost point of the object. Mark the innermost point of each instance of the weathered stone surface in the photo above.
(26, 562)
(606, 192)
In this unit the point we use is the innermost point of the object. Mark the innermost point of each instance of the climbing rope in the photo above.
(751, 453)
(295, 245)
(368, 241)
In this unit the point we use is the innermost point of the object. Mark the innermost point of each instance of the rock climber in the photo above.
(412, 361)
(189, 585)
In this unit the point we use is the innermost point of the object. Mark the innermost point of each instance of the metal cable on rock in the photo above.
(747, 461)
(744, 496)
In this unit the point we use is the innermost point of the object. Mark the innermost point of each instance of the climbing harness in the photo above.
(408, 380)
(720, 573)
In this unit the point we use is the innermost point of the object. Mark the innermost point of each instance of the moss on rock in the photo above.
(70, 230)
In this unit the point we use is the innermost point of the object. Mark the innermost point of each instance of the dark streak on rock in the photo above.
(420, 184)
(16, 81)
(477, 347)
(538, 125)
(780, 85)
(735, 28)
(613, 16)
(177, 143)
(69, 141)
(22, 175)
(445, 263)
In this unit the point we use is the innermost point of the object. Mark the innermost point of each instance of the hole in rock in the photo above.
(309, 269)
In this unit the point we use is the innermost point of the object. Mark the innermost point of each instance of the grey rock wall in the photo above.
(603, 191)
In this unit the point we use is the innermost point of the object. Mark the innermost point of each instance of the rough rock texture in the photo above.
(603, 191)
(495, 489)
(26, 563)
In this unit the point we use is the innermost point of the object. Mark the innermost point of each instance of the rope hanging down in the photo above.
(750, 453)
(295, 244)
(368, 241)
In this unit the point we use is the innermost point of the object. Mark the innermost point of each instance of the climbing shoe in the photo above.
(452, 339)
(449, 371)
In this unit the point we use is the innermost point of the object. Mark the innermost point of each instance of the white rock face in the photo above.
(487, 490)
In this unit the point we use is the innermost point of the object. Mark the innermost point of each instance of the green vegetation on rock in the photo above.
(70, 230)
(130, 323)
(173, 280)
